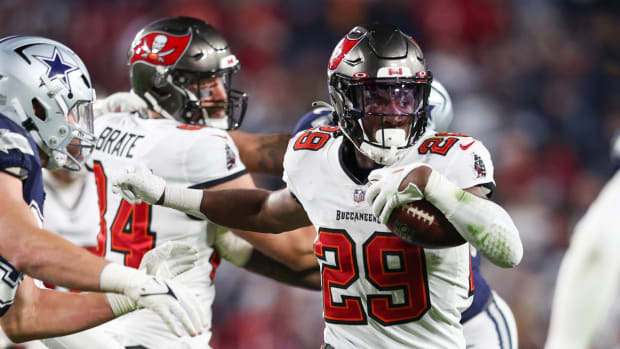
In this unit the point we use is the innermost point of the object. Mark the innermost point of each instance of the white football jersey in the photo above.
(190, 156)
(71, 209)
(378, 291)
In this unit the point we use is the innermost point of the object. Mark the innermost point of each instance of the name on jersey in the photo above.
(117, 142)
(355, 216)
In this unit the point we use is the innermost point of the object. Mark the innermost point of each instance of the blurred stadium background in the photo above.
(538, 81)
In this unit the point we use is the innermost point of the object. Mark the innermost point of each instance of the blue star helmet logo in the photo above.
(57, 68)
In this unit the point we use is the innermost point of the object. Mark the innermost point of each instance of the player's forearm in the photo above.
(39, 313)
(309, 278)
(295, 249)
(248, 209)
(48, 257)
(241, 209)
(483, 223)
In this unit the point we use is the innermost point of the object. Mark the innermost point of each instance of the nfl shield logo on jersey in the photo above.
(358, 195)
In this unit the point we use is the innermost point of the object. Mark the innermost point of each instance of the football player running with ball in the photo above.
(378, 291)
(488, 322)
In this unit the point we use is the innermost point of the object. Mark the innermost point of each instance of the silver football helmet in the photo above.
(379, 87)
(171, 62)
(45, 88)
(440, 111)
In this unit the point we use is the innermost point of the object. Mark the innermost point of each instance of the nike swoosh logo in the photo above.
(464, 147)
(168, 291)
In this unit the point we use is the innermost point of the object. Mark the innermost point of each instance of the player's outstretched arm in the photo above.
(591, 266)
(294, 249)
(309, 278)
(483, 223)
(241, 253)
(249, 209)
(42, 313)
(50, 258)
(39, 313)
(165, 261)
(39, 253)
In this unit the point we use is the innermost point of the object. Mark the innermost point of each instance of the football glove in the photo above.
(168, 299)
(383, 195)
(169, 260)
(137, 184)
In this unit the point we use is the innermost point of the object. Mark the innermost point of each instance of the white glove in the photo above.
(232, 248)
(173, 303)
(120, 102)
(167, 298)
(169, 260)
(137, 184)
(383, 195)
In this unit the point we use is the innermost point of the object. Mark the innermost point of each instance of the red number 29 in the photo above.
(314, 139)
(130, 231)
(390, 264)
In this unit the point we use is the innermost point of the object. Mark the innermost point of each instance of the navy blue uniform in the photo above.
(482, 291)
(19, 157)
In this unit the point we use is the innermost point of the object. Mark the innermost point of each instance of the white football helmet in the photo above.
(440, 112)
(46, 89)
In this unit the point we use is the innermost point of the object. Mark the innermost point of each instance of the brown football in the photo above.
(421, 223)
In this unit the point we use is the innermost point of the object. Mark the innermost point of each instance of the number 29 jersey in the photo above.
(379, 291)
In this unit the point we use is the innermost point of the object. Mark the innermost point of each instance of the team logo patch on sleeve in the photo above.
(479, 167)
(231, 158)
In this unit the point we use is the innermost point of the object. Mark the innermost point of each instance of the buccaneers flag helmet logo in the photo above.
(159, 48)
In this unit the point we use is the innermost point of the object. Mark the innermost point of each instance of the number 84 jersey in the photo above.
(190, 156)
(378, 291)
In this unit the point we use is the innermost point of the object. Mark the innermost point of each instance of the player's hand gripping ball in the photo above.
(398, 202)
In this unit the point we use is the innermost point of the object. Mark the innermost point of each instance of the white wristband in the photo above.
(117, 278)
(483, 223)
(233, 248)
(120, 304)
(184, 199)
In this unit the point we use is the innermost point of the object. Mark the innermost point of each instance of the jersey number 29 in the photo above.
(391, 266)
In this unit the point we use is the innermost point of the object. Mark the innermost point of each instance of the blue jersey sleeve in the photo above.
(18, 152)
(19, 157)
